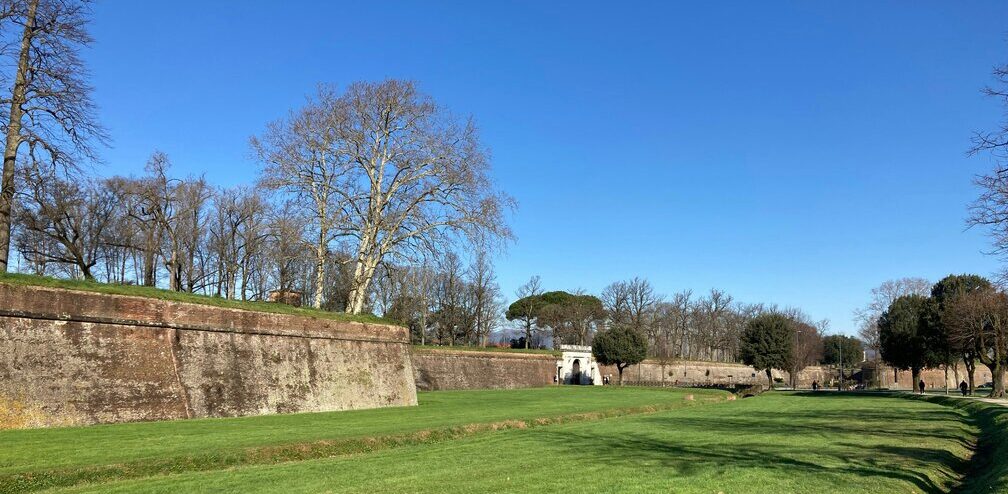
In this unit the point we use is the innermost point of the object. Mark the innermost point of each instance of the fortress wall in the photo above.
(439, 369)
(81, 358)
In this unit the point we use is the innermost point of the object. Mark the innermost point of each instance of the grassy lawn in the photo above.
(649, 440)
(32, 459)
(192, 298)
(776, 443)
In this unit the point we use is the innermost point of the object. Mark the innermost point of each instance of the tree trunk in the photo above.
(769, 378)
(915, 378)
(363, 274)
(997, 376)
(14, 136)
(320, 255)
(150, 267)
(878, 370)
(174, 272)
(970, 368)
(946, 379)
(620, 372)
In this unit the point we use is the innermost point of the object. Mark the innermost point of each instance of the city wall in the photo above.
(70, 357)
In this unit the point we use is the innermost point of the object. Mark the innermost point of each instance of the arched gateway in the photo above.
(576, 366)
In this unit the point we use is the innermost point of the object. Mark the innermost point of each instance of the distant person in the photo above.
(815, 385)
(964, 388)
(921, 386)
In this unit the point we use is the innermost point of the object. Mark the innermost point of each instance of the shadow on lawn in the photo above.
(940, 423)
(943, 468)
(988, 471)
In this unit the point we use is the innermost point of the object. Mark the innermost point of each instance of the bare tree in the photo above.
(680, 315)
(808, 343)
(140, 200)
(486, 297)
(526, 307)
(73, 216)
(191, 231)
(980, 318)
(300, 156)
(49, 108)
(882, 297)
(419, 176)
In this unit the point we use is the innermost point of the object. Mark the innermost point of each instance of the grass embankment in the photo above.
(988, 472)
(37, 459)
(191, 298)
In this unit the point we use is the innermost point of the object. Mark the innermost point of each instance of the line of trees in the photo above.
(357, 182)
(963, 319)
(787, 339)
(354, 187)
(712, 327)
(681, 326)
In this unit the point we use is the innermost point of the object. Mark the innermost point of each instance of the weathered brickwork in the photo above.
(438, 369)
(93, 358)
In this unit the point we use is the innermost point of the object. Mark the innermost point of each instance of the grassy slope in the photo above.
(771, 444)
(157, 293)
(188, 441)
(989, 473)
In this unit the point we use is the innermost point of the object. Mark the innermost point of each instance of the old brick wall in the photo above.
(439, 369)
(933, 378)
(91, 358)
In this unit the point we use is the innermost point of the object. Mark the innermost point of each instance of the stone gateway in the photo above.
(577, 366)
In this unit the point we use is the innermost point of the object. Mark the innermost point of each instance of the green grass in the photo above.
(192, 298)
(775, 443)
(989, 470)
(38, 458)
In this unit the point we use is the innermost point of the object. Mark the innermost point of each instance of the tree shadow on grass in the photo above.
(694, 459)
(928, 424)
(735, 440)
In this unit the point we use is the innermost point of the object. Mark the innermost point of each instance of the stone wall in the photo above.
(446, 368)
(701, 372)
(83, 358)
(439, 369)
(933, 378)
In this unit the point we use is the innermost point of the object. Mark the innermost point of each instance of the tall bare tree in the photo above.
(419, 176)
(300, 156)
(882, 297)
(49, 108)
(486, 297)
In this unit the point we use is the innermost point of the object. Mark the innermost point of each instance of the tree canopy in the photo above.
(620, 346)
(767, 343)
(571, 316)
(907, 336)
(842, 349)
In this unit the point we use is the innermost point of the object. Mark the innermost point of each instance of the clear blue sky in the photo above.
(796, 153)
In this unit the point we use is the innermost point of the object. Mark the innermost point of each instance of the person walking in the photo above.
(815, 385)
(921, 386)
(964, 388)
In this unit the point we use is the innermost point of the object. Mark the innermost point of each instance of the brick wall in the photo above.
(438, 369)
(82, 358)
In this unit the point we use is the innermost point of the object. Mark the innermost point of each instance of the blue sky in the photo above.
(796, 153)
